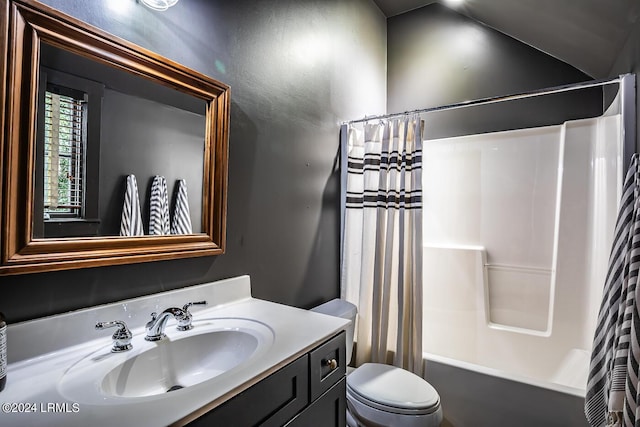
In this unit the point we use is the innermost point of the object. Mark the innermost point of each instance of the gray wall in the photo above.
(628, 61)
(438, 57)
(296, 68)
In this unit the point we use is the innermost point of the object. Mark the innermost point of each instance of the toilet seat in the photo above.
(391, 389)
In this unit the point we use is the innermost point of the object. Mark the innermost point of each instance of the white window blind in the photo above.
(64, 157)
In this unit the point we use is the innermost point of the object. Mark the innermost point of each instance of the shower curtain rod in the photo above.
(494, 99)
(627, 84)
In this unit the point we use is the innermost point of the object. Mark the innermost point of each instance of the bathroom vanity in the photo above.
(310, 391)
(245, 362)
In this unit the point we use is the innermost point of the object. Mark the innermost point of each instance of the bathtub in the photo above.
(569, 377)
(523, 343)
(477, 396)
(517, 231)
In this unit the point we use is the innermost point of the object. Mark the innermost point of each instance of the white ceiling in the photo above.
(587, 34)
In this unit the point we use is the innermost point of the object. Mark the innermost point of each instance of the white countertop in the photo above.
(41, 351)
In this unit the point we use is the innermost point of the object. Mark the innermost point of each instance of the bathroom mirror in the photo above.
(136, 113)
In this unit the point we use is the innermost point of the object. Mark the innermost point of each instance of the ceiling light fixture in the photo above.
(454, 3)
(160, 5)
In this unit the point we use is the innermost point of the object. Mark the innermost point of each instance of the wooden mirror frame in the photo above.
(24, 25)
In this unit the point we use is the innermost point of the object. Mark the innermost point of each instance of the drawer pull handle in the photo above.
(331, 363)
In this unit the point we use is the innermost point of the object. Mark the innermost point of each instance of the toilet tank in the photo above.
(345, 310)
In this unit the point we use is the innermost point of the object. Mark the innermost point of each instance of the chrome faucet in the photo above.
(155, 327)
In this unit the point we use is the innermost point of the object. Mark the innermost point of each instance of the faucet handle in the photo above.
(121, 337)
(150, 323)
(189, 304)
(184, 323)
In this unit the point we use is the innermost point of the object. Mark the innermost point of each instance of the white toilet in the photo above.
(380, 395)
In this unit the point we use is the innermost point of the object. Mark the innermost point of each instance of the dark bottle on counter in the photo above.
(3, 352)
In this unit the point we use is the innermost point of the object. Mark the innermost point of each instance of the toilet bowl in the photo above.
(381, 395)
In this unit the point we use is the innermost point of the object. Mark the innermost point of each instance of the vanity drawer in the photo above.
(270, 403)
(327, 365)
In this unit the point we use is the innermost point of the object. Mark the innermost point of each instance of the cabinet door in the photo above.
(327, 365)
(330, 410)
(271, 402)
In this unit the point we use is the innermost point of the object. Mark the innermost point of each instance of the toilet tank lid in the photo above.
(337, 308)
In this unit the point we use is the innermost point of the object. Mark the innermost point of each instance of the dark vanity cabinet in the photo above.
(310, 391)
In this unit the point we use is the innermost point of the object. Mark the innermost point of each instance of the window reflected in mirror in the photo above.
(65, 137)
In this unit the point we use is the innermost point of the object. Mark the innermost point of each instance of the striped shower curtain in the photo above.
(382, 253)
(613, 387)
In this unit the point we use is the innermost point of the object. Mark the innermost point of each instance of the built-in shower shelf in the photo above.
(519, 298)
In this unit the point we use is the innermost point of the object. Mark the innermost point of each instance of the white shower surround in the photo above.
(517, 233)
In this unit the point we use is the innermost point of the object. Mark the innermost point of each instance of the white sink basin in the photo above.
(213, 348)
(172, 365)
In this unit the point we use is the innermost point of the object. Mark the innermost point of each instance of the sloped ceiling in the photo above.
(588, 34)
